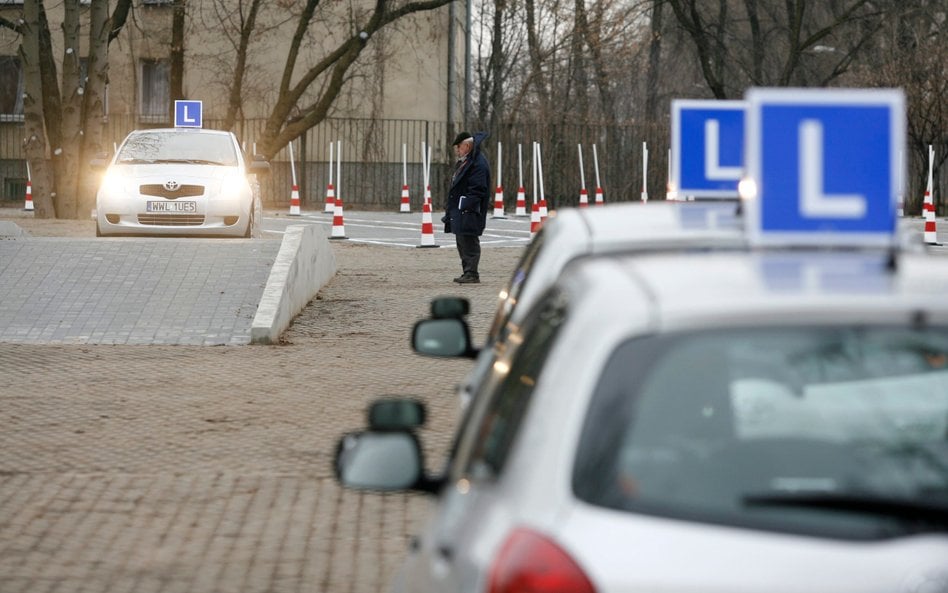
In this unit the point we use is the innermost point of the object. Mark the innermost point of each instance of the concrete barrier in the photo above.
(304, 264)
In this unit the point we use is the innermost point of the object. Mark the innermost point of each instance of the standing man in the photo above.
(467, 203)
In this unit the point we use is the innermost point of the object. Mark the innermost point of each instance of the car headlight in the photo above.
(233, 185)
(113, 183)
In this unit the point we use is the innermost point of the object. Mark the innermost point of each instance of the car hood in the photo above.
(181, 173)
(623, 552)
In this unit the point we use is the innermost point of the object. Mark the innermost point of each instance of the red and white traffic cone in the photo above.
(428, 195)
(599, 199)
(295, 201)
(535, 219)
(928, 206)
(330, 206)
(28, 206)
(406, 201)
(521, 202)
(543, 211)
(499, 203)
(583, 198)
(427, 227)
(338, 226)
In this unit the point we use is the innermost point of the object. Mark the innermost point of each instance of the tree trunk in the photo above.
(536, 61)
(654, 62)
(497, 63)
(97, 76)
(577, 47)
(34, 145)
(65, 155)
(176, 76)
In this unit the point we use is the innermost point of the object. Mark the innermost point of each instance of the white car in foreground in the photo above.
(179, 181)
(736, 421)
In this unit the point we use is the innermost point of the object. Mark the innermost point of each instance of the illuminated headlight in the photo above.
(113, 183)
(233, 185)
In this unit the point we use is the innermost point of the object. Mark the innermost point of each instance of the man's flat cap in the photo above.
(461, 138)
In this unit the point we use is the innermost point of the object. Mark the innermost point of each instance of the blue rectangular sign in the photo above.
(707, 147)
(823, 165)
(187, 114)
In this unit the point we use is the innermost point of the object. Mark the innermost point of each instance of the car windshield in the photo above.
(183, 147)
(816, 430)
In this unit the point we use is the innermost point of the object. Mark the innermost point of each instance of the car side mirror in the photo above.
(447, 307)
(259, 165)
(442, 337)
(101, 161)
(382, 461)
(396, 414)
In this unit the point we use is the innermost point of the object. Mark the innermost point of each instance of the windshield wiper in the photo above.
(190, 161)
(927, 511)
(171, 161)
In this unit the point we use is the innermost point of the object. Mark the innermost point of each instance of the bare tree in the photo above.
(304, 99)
(64, 118)
(911, 55)
(776, 43)
(246, 25)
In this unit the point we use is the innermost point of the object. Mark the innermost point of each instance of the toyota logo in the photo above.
(172, 185)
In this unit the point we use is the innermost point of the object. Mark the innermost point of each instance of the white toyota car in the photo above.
(180, 181)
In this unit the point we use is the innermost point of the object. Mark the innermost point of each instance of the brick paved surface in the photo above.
(134, 468)
(151, 291)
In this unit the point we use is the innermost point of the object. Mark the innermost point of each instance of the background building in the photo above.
(404, 88)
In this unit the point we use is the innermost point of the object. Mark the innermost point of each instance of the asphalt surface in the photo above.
(186, 468)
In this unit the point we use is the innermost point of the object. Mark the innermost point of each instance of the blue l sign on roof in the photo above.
(824, 165)
(187, 114)
(707, 147)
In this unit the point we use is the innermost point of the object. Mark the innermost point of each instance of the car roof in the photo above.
(181, 131)
(617, 226)
(720, 289)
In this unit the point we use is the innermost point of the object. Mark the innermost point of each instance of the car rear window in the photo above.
(835, 431)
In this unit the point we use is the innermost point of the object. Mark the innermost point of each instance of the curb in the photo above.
(304, 264)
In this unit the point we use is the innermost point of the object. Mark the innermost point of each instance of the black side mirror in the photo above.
(101, 161)
(396, 414)
(450, 307)
(443, 337)
(259, 165)
(383, 461)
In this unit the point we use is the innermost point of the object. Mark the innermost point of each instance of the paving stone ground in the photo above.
(142, 468)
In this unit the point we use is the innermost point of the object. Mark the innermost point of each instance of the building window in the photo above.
(155, 90)
(11, 89)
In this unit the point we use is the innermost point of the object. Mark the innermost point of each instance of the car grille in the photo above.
(171, 219)
(157, 189)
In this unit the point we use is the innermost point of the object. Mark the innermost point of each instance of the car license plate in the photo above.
(156, 206)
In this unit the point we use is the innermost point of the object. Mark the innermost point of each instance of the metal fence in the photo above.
(371, 165)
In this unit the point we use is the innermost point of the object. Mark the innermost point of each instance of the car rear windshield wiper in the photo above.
(927, 511)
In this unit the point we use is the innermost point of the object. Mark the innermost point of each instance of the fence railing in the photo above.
(371, 165)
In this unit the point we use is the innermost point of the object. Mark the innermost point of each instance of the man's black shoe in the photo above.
(468, 279)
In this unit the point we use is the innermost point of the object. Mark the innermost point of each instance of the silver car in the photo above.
(179, 181)
(573, 234)
(721, 421)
